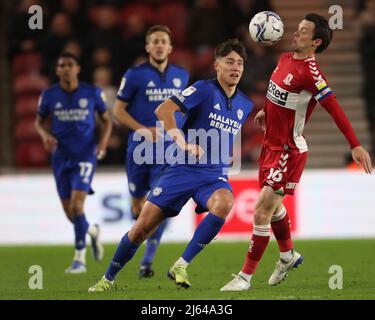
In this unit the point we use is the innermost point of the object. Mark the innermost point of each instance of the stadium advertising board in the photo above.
(327, 204)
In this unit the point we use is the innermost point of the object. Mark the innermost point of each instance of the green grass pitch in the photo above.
(208, 273)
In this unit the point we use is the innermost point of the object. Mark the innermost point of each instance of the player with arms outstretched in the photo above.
(72, 105)
(212, 106)
(142, 89)
(295, 87)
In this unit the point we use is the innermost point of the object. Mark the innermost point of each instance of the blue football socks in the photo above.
(152, 244)
(125, 251)
(80, 229)
(205, 232)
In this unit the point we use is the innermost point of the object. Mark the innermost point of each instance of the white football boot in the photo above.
(283, 267)
(239, 283)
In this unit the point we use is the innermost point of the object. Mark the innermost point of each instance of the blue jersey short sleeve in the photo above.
(101, 106)
(128, 86)
(192, 96)
(43, 109)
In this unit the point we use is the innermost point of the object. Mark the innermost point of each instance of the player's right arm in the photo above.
(49, 141)
(124, 117)
(165, 113)
(189, 99)
(125, 94)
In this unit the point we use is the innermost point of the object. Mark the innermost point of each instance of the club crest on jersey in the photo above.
(188, 91)
(83, 102)
(157, 191)
(239, 114)
(177, 82)
(288, 79)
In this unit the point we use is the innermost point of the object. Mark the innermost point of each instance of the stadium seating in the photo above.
(142, 10)
(26, 105)
(29, 83)
(31, 154)
(26, 62)
(167, 14)
(25, 130)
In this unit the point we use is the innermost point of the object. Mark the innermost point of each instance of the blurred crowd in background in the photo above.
(108, 38)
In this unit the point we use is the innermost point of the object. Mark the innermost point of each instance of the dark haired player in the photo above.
(71, 106)
(295, 87)
(215, 105)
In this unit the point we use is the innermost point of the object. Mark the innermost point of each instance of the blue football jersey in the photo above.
(73, 116)
(212, 120)
(144, 88)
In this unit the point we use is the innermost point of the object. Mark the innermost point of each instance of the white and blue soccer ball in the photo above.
(266, 28)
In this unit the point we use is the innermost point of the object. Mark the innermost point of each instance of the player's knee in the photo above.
(76, 208)
(137, 235)
(222, 207)
(262, 213)
(68, 214)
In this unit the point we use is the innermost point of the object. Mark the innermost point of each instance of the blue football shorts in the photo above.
(141, 177)
(73, 173)
(177, 184)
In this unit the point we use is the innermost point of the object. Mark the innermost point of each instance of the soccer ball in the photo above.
(266, 27)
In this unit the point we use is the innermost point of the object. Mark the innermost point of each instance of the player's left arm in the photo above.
(315, 82)
(106, 125)
(359, 154)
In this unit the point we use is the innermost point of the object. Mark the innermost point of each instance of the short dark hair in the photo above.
(68, 55)
(224, 48)
(156, 28)
(321, 31)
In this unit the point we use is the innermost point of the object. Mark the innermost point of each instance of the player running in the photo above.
(295, 87)
(142, 89)
(211, 106)
(71, 105)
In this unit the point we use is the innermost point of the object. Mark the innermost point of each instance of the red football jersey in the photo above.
(294, 89)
